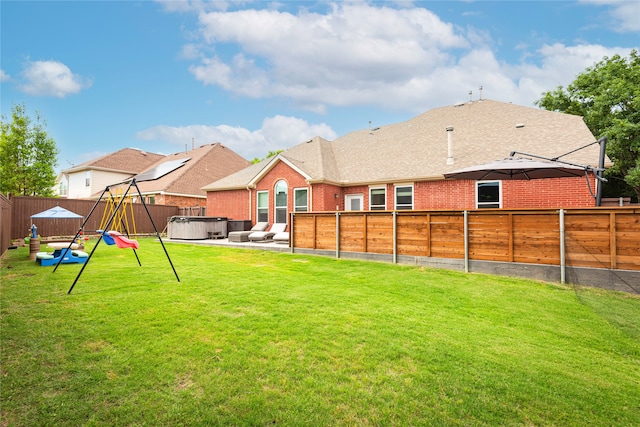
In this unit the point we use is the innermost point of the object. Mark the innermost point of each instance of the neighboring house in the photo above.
(88, 178)
(178, 178)
(174, 179)
(61, 186)
(401, 166)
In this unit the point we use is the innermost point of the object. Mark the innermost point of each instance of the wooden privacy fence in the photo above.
(595, 237)
(24, 207)
(6, 208)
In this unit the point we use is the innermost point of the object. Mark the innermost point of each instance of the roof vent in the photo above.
(519, 125)
(450, 145)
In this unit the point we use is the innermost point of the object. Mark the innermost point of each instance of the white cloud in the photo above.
(344, 57)
(625, 14)
(560, 65)
(358, 53)
(51, 78)
(4, 76)
(276, 133)
(197, 5)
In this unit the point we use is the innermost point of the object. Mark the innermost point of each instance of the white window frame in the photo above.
(87, 179)
(258, 207)
(373, 207)
(395, 197)
(300, 208)
(277, 209)
(349, 197)
(485, 205)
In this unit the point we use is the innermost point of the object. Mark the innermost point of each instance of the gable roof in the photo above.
(201, 165)
(417, 149)
(127, 160)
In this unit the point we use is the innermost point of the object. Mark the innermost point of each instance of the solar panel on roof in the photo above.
(161, 170)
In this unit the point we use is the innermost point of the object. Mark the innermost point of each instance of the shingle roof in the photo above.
(127, 160)
(207, 162)
(201, 165)
(415, 150)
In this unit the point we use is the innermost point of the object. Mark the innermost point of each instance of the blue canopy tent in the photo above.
(54, 214)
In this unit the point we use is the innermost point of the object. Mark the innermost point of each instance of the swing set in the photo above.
(119, 220)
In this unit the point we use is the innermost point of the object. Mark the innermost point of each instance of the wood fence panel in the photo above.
(627, 237)
(6, 209)
(353, 233)
(489, 237)
(536, 238)
(24, 207)
(447, 236)
(325, 232)
(414, 234)
(596, 237)
(380, 233)
(587, 240)
(304, 231)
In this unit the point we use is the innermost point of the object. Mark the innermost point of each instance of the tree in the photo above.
(269, 155)
(607, 95)
(28, 155)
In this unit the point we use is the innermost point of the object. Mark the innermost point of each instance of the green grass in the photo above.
(262, 338)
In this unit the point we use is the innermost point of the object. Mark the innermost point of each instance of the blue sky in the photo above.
(260, 76)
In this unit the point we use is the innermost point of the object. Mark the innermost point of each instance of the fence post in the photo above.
(337, 234)
(562, 248)
(395, 237)
(466, 241)
(291, 216)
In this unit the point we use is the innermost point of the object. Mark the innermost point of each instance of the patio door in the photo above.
(353, 202)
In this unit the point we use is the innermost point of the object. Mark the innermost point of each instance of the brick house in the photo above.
(178, 178)
(401, 166)
(174, 179)
(85, 179)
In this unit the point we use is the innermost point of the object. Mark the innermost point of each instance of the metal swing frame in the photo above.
(132, 184)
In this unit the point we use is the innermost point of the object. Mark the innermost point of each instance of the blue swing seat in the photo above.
(107, 238)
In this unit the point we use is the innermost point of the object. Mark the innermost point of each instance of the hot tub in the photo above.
(197, 227)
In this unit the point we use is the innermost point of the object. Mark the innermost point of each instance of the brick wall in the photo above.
(324, 197)
(430, 195)
(180, 201)
(232, 204)
(548, 193)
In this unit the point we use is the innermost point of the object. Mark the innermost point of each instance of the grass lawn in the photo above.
(263, 338)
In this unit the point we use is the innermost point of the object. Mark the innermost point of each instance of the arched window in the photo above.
(281, 202)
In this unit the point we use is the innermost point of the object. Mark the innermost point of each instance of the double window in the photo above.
(404, 197)
(488, 194)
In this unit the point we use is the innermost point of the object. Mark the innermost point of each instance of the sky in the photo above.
(259, 76)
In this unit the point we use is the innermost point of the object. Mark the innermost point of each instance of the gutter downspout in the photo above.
(250, 205)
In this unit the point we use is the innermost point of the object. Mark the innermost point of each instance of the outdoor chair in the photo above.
(282, 237)
(267, 236)
(243, 236)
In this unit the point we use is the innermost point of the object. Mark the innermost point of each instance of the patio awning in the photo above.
(516, 168)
